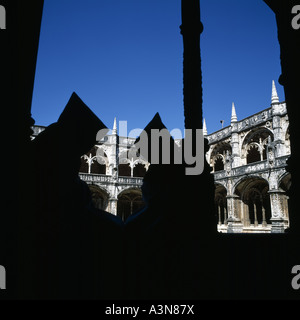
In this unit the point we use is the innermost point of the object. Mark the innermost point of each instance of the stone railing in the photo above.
(130, 180)
(251, 168)
(102, 178)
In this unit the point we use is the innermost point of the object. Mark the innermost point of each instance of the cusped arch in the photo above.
(254, 134)
(253, 146)
(217, 155)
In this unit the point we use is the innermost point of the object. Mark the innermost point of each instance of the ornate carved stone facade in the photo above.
(248, 160)
(249, 167)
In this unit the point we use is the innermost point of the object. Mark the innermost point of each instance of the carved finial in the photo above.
(274, 98)
(233, 113)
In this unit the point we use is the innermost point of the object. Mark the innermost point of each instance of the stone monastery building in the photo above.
(248, 160)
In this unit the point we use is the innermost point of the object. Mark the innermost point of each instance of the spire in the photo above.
(233, 114)
(114, 130)
(204, 128)
(274, 98)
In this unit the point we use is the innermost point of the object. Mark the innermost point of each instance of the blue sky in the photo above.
(124, 59)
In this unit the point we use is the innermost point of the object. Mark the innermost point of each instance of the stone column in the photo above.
(255, 214)
(219, 214)
(264, 222)
(277, 219)
(113, 205)
(234, 222)
(246, 220)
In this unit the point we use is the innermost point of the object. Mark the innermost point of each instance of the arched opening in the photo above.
(99, 163)
(124, 170)
(256, 207)
(99, 197)
(255, 144)
(91, 163)
(253, 154)
(139, 170)
(98, 168)
(129, 201)
(218, 155)
(218, 165)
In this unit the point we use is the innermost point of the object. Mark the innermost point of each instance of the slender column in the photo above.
(225, 215)
(131, 169)
(219, 214)
(255, 214)
(264, 222)
(246, 215)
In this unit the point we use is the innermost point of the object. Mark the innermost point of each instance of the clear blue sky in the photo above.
(124, 59)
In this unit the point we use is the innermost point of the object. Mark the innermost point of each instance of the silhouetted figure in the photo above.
(78, 254)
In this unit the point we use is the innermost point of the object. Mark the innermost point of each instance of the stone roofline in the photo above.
(248, 122)
(241, 125)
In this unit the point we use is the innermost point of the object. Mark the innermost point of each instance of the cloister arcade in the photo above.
(248, 160)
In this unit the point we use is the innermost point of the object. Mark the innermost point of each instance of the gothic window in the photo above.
(253, 154)
(218, 154)
(257, 139)
(219, 165)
